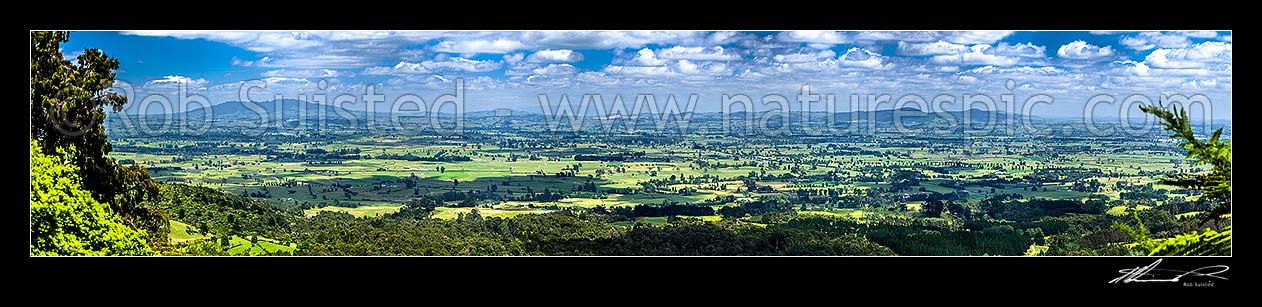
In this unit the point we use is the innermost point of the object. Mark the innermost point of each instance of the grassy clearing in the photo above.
(652, 220)
(850, 213)
(361, 211)
(707, 218)
(181, 232)
(1117, 210)
(238, 245)
(1186, 215)
(452, 213)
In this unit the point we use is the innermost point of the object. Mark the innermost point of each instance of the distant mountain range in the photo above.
(907, 114)
(287, 108)
(292, 109)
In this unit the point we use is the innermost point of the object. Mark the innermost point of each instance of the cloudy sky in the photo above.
(510, 69)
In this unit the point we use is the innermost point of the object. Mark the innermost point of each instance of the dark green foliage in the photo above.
(340, 234)
(767, 204)
(1095, 204)
(419, 208)
(469, 201)
(562, 233)
(1025, 210)
(690, 237)
(1208, 243)
(932, 208)
(1095, 234)
(1140, 234)
(224, 214)
(731, 212)
(669, 210)
(778, 217)
(1217, 153)
(1216, 186)
(202, 247)
(959, 210)
(937, 242)
(1048, 226)
(918, 238)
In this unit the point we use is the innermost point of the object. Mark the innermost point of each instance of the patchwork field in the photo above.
(525, 172)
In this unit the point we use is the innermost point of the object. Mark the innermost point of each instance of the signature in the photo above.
(1151, 273)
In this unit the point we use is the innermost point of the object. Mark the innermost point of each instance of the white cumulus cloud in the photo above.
(436, 65)
(703, 68)
(555, 56)
(1196, 56)
(555, 70)
(934, 48)
(1200, 34)
(1023, 70)
(646, 57)
(1081, 50)
(612, 39)
(976, 55)
(975, 37)
(863, 58)
(304, 73)
(799, 57)
(815, 39)
(175, 81)
(716, 53)
(900, 36)
(496, 46)
(259, 41)
(640, 71)
(1024, 50)
(1150, 40)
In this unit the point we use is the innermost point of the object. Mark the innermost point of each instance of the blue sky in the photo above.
(510, 69)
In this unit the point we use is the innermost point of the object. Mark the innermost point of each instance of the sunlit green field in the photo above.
(181, 232)
(239, 245)
(361, 211)
(452, 213)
